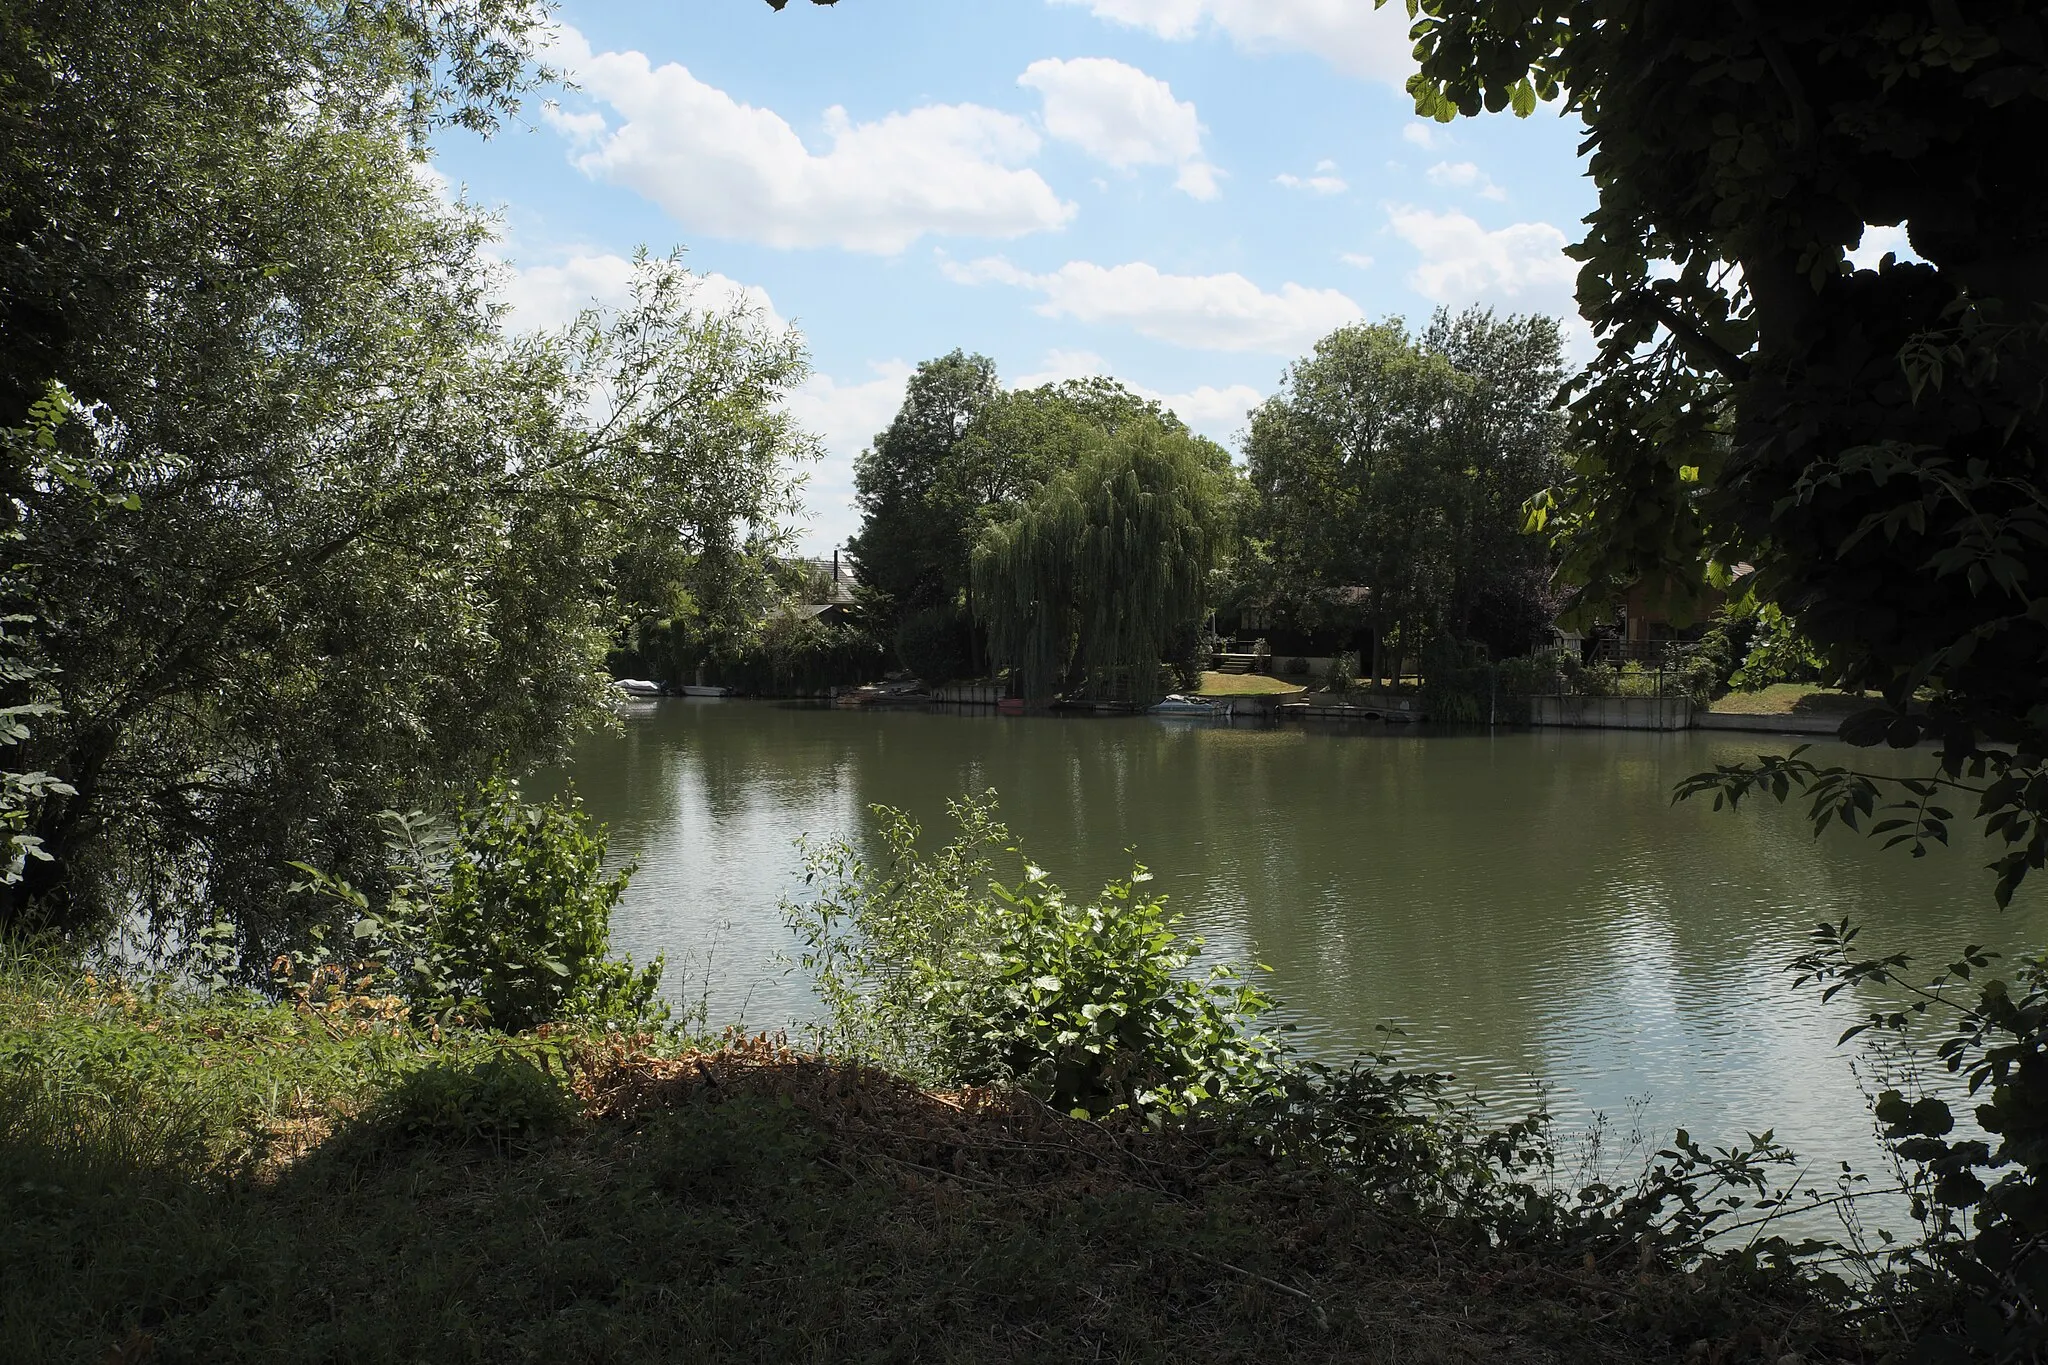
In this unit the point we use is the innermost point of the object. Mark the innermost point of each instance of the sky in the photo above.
(1184, 194)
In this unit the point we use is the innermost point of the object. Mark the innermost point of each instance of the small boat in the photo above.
(637, 687)
(1177, 705)
(703, 690)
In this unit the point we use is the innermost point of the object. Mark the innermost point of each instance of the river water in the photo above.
(1527, 908)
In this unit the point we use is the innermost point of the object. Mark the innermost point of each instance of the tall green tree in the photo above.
(326, 540)
(907, 546)
(1398, 464)
(1089, 586)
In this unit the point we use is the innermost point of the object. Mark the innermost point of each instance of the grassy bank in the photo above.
(194, 1180)
(1790, 699)
(1246, 685)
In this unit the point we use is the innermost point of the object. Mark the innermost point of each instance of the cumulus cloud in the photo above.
(1062, 364)
(1522, 265)
(1217, 413)
(728, 169)
(1119, 115)
(1357, 260)
(1464, 175)
(1520, 268)
(1210, 411)
(1325, 180)
(1354, 36)
(1428, 136)
(844, 415)
(551, 295)
(1205, 312)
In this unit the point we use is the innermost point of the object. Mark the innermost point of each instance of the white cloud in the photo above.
(845, 416)
(1877, 241)
(1217, 413)
(552, 295)
(1119, 115)
(1324, 181)
(1519, 268)
(1209, 411)
(1354, 36)
(728, 169)
(1205, 312)
(1428, 136)
(1062, 364)
(1464, 175)
(1522, 265)
(1356, 259)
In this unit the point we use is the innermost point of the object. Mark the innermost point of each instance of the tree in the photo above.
(328, 541)
(905, 549)
(1399, 465)
(1086, 588)
(1869, 438)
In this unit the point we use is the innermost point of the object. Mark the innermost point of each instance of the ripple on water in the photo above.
(1529, 909)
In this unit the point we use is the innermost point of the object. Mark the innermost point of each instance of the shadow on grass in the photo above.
(782, 1210)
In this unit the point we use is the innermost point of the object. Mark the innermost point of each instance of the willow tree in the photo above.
(1086, 589)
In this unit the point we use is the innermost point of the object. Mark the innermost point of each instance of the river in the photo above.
(1527, 909)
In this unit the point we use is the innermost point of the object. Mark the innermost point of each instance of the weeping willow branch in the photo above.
(1086, 587)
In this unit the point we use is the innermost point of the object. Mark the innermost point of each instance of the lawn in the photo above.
(1247, 685)
(1789, 699)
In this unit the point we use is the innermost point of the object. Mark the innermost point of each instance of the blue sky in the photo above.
(1181, 193)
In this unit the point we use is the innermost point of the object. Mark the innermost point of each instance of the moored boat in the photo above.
(637, 687)
(1178, 705)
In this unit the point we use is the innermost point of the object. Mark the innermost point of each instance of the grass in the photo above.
(191, 1180)
(1247, 685)
(1789, 699)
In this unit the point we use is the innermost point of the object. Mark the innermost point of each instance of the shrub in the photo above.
(502, 919)
(496, 1099)
(1341, 676)
(931, 963)
(936, 644)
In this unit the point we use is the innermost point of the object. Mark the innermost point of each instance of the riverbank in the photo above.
(230, 1180)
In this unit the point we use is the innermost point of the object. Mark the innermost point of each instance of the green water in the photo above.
(1528, 908)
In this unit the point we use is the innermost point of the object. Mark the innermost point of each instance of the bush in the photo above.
(1457, 681)
(503, 919)
(936, 645)
(496, 1099)
(788, 654)
(931, 965)
(1187, 655)
(1341, 677)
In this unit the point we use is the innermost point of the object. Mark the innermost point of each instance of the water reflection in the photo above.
(1529, 908)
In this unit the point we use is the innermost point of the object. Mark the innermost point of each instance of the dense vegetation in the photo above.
(1870, 440)
(1389, 477)
(299, 531)
(304, 545)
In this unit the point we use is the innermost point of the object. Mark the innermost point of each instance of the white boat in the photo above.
(637, 687)
(1177, 705)
(703, 690)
